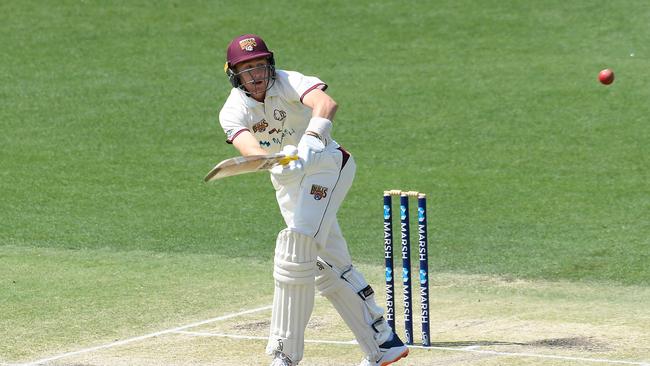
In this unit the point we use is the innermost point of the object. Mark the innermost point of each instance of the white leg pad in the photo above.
(293, 299)
(354, 300)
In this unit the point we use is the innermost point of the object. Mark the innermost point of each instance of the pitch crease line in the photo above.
(464, 349)
(237, 336)
(146, 336)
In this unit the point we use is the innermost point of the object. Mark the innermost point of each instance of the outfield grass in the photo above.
(109, 121)
(533, 168)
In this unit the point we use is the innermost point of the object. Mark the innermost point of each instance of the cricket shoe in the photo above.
(280, 359)
(391, 351)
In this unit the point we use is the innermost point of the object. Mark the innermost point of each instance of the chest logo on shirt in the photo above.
(279, 115)
(260, 126)
(319, 192)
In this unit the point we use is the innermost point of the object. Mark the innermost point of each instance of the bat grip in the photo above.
(287, 159)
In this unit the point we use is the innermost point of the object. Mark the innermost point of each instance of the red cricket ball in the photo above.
(606, 76)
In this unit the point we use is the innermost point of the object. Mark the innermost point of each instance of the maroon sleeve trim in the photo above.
(319, 85)
(230, 140)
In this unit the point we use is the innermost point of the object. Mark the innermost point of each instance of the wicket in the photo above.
(406, 262)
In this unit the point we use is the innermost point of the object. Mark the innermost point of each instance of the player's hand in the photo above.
(291, 172)
(309, 149)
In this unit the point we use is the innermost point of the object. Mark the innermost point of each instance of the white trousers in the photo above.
(310, 206)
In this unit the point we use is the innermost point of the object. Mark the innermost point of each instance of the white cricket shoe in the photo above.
(280, 359)
(391, 351)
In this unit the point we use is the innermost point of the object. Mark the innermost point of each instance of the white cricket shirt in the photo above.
(281, 120)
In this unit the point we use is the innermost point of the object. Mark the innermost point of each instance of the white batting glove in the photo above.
(309, 150)
(291, 172)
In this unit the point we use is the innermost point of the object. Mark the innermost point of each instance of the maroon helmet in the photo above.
(243, 48)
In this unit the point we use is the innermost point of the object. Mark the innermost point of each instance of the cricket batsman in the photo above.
(270, 111)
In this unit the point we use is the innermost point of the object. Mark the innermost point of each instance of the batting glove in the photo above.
(291, 172)
(309, 150)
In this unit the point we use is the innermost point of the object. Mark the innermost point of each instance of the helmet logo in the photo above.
(248, 44)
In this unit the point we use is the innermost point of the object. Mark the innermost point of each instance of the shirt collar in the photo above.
(273, 92)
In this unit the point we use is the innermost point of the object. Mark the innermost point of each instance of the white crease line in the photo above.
(464, 349)
(237, 336)
(150, 335)
(471, 347)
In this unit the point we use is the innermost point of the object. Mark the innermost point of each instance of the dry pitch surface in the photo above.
(474, 321)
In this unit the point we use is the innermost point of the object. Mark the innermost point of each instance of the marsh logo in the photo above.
(260, 126)
(279, 115)
(389, 274)
(248, 44)
(319, 192)
(423, 277)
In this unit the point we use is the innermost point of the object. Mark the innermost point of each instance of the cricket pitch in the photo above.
(475, 320)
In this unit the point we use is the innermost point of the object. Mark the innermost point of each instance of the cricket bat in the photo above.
(247, 164)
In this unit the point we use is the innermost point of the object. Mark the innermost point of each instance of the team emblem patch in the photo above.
(279, 115)
(248, 44)
(260, 126)
(319, 192)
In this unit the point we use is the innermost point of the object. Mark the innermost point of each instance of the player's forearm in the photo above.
(323, 111)
(247, 144)
(325, 108)
(321, 104)
(253, 151)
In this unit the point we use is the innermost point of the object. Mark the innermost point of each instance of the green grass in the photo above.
(58, 300)
(109, 117)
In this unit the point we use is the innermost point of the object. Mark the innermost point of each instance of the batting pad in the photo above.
(354, 300)
(293, 300)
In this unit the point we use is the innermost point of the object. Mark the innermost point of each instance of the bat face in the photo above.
(246, 164)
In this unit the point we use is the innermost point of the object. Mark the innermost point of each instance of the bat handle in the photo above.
(287, 159)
